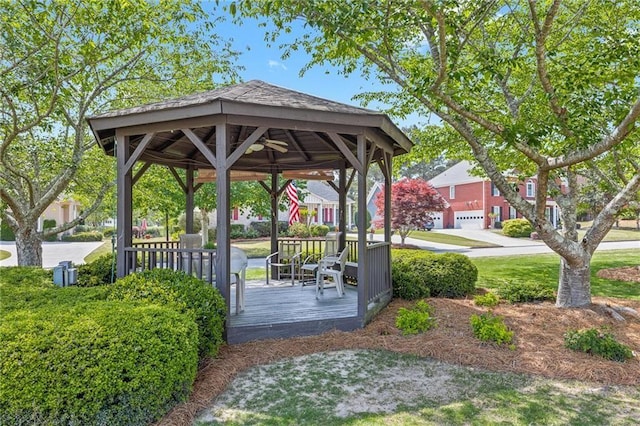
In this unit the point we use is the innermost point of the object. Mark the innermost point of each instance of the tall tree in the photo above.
(549, 88)
(61, 61)
(413, 202)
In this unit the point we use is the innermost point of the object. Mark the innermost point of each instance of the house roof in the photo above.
(457, 174)
(324, 191)
(318, 133)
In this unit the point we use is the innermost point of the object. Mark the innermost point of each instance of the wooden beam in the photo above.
(124, 202)
(204, 149)
(355, 162)
(363, 264)
(253, 138)
(294, 142)
(178, 178)
(140, 172)
(223, 208)
(138, 151)
(379, 141)
(350, 181)
(189, 201)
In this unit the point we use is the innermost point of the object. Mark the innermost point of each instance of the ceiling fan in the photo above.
(276, 145)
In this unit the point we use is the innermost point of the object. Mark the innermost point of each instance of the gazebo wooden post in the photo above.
(342, 206)
(387, 197)
(223, 251)
(273, 196)
(124, 214)
(189, 201)
(363, 267)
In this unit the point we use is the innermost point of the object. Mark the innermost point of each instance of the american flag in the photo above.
(294, 207)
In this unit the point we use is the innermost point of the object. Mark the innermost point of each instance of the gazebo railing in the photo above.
(200, 262)
(378, 285)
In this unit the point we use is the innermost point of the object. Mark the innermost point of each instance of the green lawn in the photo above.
(616, 235)
(4, 254)
(375, 388)
(546, 268)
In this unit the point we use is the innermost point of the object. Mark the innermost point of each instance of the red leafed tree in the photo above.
(413, 202)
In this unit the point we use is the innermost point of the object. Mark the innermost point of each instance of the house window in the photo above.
(531, 189)
(512, 213)
(236, 213)
(452, 192)
(495, 192)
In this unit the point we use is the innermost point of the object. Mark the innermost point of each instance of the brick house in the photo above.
(474, 200)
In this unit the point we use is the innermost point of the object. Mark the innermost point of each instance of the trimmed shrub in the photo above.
(488, 299)
(419, 274)
(488, 327)
(182, 223)
(236, 231)
(48, 224)
(517, 228)
(95, 363)
(318, 230)
(98, 272)
(597, 342)
(416, 320)
(108, 232)
(84, 228)
(83, 237)
(186, 293)
(6, 233)
(298, 230)
(262, 229)
(154, 231)
(525, 291)
(211, 232)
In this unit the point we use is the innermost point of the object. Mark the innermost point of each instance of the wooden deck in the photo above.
(280, 311)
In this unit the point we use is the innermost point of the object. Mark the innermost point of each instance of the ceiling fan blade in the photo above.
(255, 147)
(276, 147)
(276, 142)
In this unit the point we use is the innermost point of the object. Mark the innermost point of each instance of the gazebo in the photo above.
(257, 129)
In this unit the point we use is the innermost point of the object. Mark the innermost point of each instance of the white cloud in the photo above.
(276, 64)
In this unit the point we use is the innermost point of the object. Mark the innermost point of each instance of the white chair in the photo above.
(287, 256)
(238, 268)
(309, 266)
(332, 267)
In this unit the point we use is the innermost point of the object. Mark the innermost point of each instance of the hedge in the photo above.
(6, 233)
(517, 228)
(418, 274)
(184, 292)
(97, 272)
(95, 363)
(83, 237)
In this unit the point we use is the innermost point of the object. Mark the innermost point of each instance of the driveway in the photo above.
(53, 252)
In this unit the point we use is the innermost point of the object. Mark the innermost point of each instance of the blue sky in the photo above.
(265, 63)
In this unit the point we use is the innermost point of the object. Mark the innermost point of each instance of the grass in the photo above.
(373, 388)
(546, 268)
(616, 235)
(4, 254)
(436, 237)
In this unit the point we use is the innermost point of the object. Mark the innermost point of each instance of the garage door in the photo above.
(471, 219)
(437, 220)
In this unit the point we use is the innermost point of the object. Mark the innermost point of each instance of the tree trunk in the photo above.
(28, 246)
(574, 289)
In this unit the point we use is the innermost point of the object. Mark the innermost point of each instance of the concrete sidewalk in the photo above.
(53, 252)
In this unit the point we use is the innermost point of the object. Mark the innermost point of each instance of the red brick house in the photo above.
(475, 203)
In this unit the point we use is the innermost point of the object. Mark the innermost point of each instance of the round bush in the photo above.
(419, 273)
(298, 230)
(97, 272)
(95, 363)
(186, 293)
(517, 228)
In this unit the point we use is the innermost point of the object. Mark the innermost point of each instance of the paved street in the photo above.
(53, 252)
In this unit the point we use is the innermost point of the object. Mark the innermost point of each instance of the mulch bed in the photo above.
(538, 328)
(629, 273)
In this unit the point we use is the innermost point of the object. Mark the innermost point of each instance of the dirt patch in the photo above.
(538, 328)
(630, 273)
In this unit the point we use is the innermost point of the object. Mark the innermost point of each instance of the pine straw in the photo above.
(538, 328)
